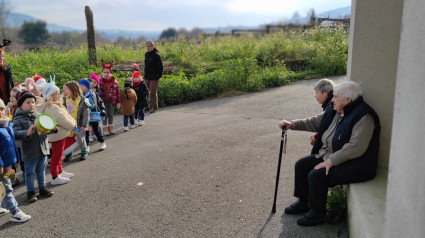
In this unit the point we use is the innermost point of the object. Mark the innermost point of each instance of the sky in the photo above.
(150, 15)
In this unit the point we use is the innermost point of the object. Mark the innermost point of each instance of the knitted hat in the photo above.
(136, 74)
(38, 79)
(23, 95)
(48, 89)
(2, 104)
(85, 82)
(95, 77)
(128, 83)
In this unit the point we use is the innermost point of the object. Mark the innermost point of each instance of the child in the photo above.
(96, 106)
(8, 153)
(142, 93)
(35, 146)
(129, 100)
(53, 105)
(110, 93)
(79, 108)
(94, 80)
(11, 109)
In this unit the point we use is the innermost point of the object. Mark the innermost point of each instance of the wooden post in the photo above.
(90, 36)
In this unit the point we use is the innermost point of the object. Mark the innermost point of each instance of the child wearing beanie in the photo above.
(142, 93)
(53, 105)
(34, 146)
(129, 100)
(96, 106)
(8, 153)
(110, 92)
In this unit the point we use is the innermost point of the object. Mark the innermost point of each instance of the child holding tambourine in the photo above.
(34, 146)
(64, 125)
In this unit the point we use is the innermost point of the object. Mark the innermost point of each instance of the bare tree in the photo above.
(4, 13)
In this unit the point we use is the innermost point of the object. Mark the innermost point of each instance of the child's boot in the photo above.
(106, 130)
(44, 192)
(111, 129)
(31, 196)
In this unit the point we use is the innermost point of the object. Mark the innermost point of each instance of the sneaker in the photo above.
(3, 211)
(132, 126)
(102, 146)
(64, 174)
(84, 156)
(44, 192)
(20, 217)
(126, 128)
(31, 196)
(88, 149)
(67, 157)
(60, 180)
(141, 122)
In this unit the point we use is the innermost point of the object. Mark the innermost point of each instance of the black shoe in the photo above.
(67, 157)
(31, 196)
(297, 208)
(312, 218)
(83, 156)
(15, 182)
(44, 192)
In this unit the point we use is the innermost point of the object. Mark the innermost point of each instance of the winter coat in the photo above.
(34, 146)
(83, 114)
(153, 65)
(142, 93)
(129, 100)
(7, 74)
(111, 94)
(64, 121)
(8, 150)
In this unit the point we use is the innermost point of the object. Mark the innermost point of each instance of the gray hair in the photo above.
(324, 85)
(149, 42)
(348, 89)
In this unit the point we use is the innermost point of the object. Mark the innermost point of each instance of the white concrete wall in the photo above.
(373, 56)
(405, 202)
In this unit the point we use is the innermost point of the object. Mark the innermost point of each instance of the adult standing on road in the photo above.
(346, 151)
(6, 81)
(153, 72)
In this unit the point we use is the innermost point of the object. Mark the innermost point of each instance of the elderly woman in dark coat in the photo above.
(346, 151)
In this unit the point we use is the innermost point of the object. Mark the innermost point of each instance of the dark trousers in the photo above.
(139, 113)
(312, 185)
(97, 132)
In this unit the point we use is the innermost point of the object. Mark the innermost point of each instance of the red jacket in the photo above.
(110, 90)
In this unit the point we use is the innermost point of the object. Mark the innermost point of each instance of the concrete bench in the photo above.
(366, 206)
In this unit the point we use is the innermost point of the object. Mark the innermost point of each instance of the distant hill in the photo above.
(17, 19)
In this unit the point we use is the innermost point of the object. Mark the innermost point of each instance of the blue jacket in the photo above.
(8, 149)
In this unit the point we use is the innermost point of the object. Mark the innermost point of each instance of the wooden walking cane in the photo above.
(282, 149)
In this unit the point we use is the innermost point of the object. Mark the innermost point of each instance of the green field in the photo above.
(205, 68)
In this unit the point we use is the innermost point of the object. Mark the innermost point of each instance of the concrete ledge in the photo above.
(366, 206)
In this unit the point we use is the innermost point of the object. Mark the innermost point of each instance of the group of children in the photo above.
(77, 113)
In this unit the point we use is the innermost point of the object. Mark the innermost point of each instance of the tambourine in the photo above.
(45, 123)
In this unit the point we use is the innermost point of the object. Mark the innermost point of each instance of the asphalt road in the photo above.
(204, 169)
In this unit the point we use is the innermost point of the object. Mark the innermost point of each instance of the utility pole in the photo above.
(90, 36)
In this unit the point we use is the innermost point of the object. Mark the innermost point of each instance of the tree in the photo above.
(34, 32)
(311, 17)
(168, 33)
(4, 13)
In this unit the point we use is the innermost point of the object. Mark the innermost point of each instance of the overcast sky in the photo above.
(150, 15)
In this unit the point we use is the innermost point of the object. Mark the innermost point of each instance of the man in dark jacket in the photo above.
(153, 72)
(346, 151)
(6, 82)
